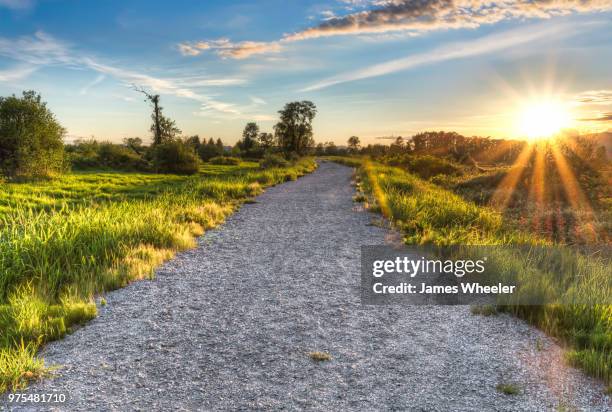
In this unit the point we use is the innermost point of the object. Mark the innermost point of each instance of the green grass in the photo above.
(62, 242)
(508, 389)
(429, 214)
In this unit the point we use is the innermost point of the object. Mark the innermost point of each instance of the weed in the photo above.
(320, 356)
(508, 389)
(484, 310)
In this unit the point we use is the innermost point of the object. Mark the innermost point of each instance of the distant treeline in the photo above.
(462, 149)
(32, 146)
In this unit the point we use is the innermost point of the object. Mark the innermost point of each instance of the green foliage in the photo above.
(294, 130)
(109, 229)
(209, 150)
(174, 157)
(508, 389)
(273, 160)
(30, 138)
(225, 160)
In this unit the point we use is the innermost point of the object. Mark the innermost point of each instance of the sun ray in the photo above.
(505, 189)
(583, 211)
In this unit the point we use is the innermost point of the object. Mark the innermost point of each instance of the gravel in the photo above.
(229, 326)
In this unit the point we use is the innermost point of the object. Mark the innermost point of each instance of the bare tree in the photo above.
(154, 99)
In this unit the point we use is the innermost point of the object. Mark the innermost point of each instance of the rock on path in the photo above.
(228, 326)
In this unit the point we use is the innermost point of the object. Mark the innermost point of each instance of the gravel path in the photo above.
(228, 326)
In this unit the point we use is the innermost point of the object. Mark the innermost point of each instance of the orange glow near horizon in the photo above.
(543, 118)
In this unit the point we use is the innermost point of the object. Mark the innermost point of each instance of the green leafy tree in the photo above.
(353, 143)
(294, 130)
(266, 140)
(193, 142)
(249, 137)
(209, 150)
(134, 143)
(220, 146)
(166, 128)
(31, 142)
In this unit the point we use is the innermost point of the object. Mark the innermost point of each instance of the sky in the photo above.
(374, 68)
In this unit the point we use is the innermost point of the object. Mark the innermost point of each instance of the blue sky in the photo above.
(373, 67)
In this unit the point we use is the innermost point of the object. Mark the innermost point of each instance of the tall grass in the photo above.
(429, 214)
(65, 241)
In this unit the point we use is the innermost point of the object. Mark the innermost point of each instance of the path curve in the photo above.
(228, 325)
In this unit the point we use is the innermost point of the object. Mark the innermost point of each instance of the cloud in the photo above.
(41, 49)
(257, 100)
(225, 48)
(427, 15)
(483, 45)
(99, 79)
(16, 73)
(595, 97)
(604, 117)
(412, 16)
(17, 4)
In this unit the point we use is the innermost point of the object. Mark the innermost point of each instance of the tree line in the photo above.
(32, 142)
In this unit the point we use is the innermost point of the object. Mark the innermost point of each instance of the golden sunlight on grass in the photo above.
(531, 166)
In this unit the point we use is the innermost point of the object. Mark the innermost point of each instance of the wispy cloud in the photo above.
(483, 45)
(99, 79)
(17, 4)
(257, 100)
(603, 117)
(225, 48)
(41, 49)
(412, 16)
(16, 73)
(595, 97)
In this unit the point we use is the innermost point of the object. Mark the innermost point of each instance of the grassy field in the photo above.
(429, 214)
(64, 242)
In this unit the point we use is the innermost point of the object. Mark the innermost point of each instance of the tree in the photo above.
(353, 144)
(163, 128)
(30, 137)
(166, 128)
(266, 140)
(209, 150)
(294, 130)
(220, 146)
(249, 137)
(134, 143)
(193, 142)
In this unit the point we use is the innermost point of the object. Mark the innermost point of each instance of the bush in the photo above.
(429, 166)
(30, 137)
(208, 151)
(174, 157)
(271, 161)
(90, 154)
(225, 160)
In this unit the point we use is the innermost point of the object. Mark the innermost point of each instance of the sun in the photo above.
(542, 119)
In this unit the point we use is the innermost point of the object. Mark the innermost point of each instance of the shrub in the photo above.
(225, 160)
(175, 157)
(208, 151)
(90, 154)
(429, 166)
(120, 157)
(30, 137)
(272, 160)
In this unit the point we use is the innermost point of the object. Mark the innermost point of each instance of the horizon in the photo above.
(391, 68)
